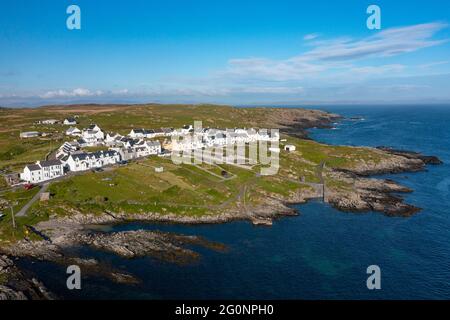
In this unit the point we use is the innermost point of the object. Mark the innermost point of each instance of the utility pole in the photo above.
(13, 217)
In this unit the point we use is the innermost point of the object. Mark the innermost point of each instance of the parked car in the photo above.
(28, 186)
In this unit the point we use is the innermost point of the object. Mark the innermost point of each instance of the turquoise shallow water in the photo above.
(322, 253)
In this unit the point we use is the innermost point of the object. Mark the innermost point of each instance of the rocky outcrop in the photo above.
(61, 254)
(433, 160)
(296, 122)
(369, 195)
(132, 244)
(15, 285)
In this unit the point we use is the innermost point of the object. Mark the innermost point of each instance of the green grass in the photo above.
(136, 188)
(19, 198)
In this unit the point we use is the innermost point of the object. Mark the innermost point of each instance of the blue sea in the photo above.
(320, 254)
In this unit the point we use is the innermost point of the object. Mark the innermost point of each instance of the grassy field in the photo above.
(184, 190)
(17, 199)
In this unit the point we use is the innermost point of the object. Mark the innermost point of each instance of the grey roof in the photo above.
(96, 155)
(33, 167)
(144, 131)
(50, 163)
(153, 143)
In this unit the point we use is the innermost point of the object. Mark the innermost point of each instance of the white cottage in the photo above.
(87, 161)
(70, 122)
(74, 132)
(42, 171)
(93, 135)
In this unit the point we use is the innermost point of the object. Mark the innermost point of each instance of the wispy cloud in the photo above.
(311, 36)
(341, 53)
(389, 42)
(433, 64)
(78, 92)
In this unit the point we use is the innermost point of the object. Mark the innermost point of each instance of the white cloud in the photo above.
(389, 42)
(340, 53)
(78, 92)
(433, 64)
(377, 70)
(310, 36)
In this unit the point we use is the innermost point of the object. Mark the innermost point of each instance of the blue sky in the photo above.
(238, 52)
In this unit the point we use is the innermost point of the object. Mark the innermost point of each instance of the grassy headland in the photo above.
(181, 190)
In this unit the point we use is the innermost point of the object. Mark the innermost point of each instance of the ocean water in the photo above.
(320, 254)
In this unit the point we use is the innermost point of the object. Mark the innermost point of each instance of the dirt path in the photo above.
(36, 197)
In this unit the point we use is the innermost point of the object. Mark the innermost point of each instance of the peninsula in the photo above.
(117, 168)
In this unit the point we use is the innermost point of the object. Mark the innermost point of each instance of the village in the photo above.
(76, 155)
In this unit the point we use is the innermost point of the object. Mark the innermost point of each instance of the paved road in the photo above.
(25, 208)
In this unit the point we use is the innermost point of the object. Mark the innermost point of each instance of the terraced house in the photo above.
(87, 161)
(93, 135)
(42, 171)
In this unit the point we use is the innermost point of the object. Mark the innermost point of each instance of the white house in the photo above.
(70, 121)
(213, 137)
(289, 147)
(42, 171)
(86, 161)
(49, 121)
(187, 143)
(94, 127)
(113, 138)
(93, 135)
(68, 148)
(153, 147)
(186, 129)
(267, 135)
(29, 134)
(167, 131)
(142, 133)
(74, 132)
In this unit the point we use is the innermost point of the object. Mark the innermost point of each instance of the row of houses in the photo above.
(35, 134)
(90, 136)
(42, 171)
(68, 121)
(135, 145)
(162, 132)
(209, 137)
(47, 170)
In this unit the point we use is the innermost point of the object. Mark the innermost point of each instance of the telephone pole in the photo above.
(13, 217)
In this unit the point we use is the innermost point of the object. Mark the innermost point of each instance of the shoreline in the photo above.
(367, 194)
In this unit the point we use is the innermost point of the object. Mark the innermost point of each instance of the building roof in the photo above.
(153, 143)
(95, 155)
(33, 167)
(50, 163)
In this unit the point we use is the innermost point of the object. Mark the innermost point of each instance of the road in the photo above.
(36, 197)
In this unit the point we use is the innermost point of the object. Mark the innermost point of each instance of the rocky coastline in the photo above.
(365, 194)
